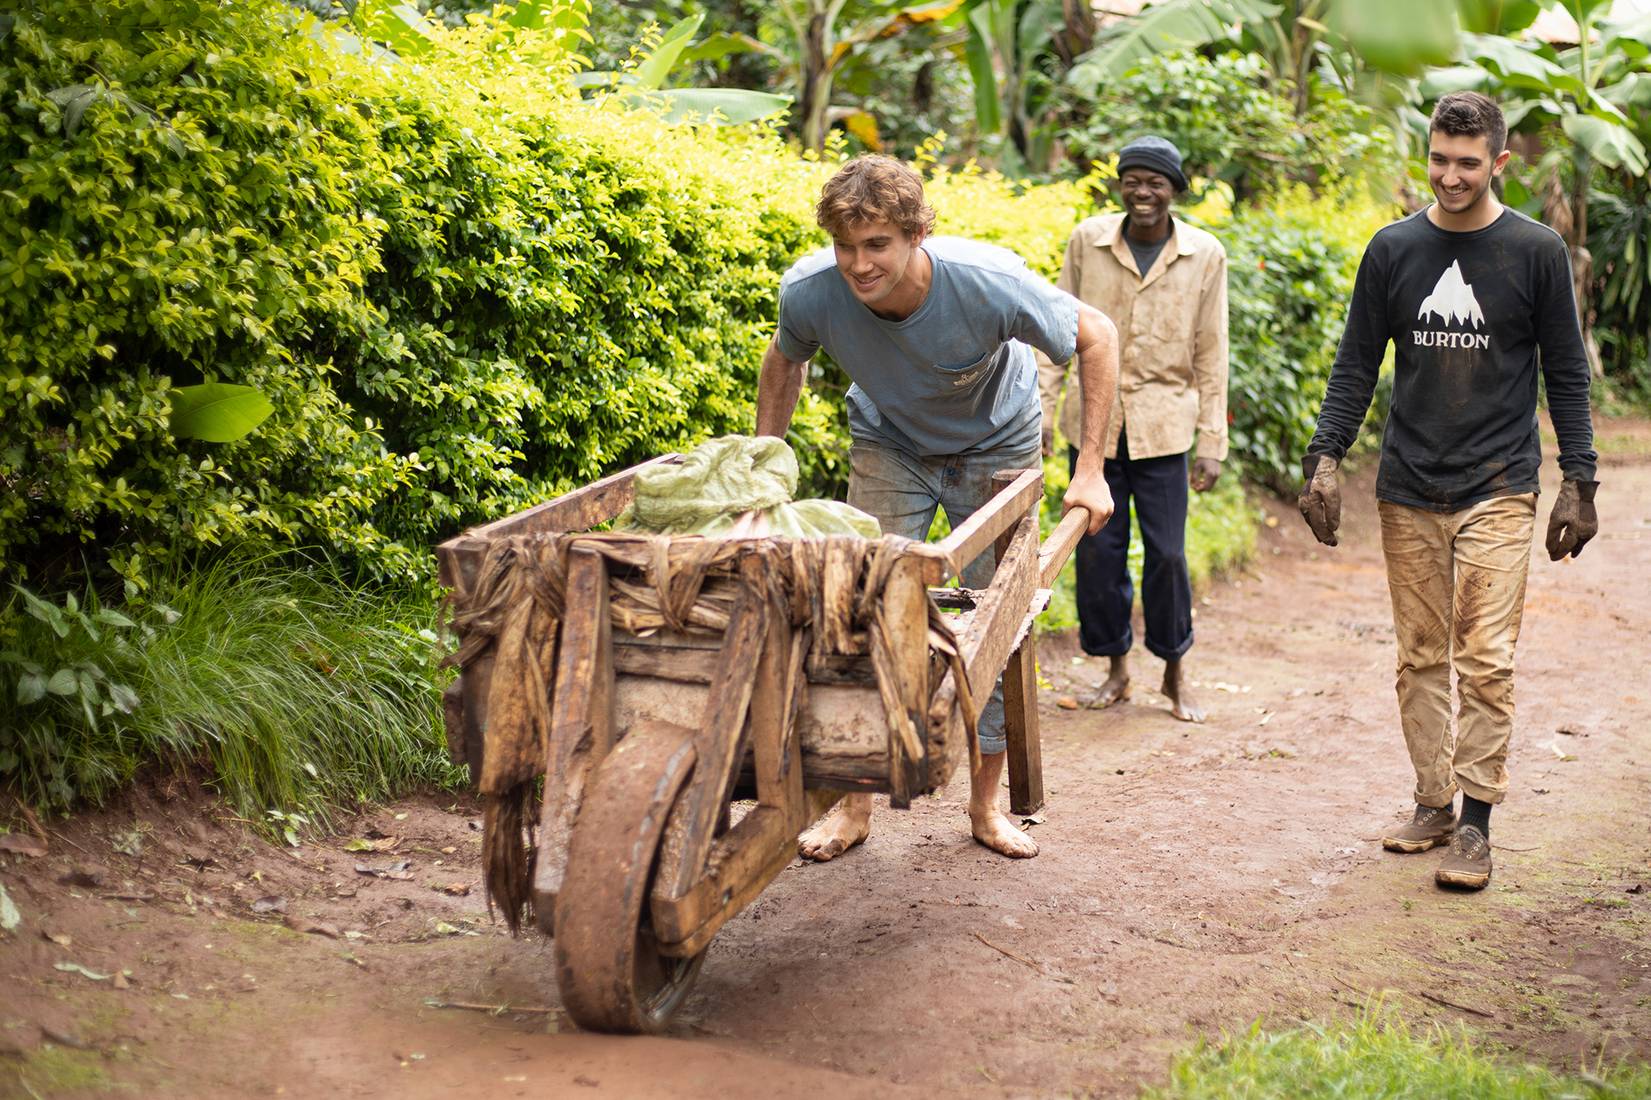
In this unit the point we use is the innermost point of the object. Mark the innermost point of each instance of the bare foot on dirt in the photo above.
(1116, 687)
(993, 829)
(988, 823)
(838, 831)
(1181, 703)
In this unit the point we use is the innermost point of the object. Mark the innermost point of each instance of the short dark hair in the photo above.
(1470, 114)
(874, 188)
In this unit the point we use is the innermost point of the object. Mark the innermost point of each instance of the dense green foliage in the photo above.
(1291, 267)
(1377, 1057)
(1230, 126)
(1619, 238)
(449, 320)
(297, 692)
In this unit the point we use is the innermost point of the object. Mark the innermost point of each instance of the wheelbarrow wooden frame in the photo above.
(761, 711)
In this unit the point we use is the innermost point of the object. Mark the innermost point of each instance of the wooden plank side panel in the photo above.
(694, 664)
(721, 725)
(998, 517)
(990, 639)
(841, 730)
(579, 510)
(582, 727)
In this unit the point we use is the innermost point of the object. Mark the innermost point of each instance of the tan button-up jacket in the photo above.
(1172, 340)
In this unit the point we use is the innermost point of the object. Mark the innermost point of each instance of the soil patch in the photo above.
(1193, 879)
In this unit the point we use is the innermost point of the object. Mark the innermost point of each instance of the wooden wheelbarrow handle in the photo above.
(1059, 545)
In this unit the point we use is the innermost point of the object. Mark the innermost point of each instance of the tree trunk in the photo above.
(1079, 16)
(1582, 281)
(1567, 215)
(816, 83)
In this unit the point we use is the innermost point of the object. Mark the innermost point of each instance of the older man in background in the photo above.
(1164, 284)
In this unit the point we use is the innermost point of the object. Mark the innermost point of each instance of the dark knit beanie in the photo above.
(1156, 155)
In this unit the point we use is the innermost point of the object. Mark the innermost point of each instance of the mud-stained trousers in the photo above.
(1458, 585)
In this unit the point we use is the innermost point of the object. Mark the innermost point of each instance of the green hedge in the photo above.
(1291, 266)
(462, 288)
(450, 320)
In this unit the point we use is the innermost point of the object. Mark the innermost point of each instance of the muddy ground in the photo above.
(1193, 880)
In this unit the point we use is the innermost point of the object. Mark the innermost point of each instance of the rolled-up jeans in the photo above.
(903, 490)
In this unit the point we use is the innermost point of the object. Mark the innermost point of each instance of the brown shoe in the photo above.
(1430, 827)
(1467, 864)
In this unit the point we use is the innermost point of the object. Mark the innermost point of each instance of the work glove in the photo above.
(1321, 497)
(1573, 520)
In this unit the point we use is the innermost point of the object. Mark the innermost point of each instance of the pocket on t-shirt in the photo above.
(965, 374)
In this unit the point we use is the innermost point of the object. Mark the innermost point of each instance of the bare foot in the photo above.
(998, 833)
(838, 831)
(1116, 687)
(1181, 703)
(988, 824)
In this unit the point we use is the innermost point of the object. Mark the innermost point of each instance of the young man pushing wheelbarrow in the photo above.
(937, 335)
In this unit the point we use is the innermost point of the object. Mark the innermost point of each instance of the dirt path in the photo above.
(1193, 879)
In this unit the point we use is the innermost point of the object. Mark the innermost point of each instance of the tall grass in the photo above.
(295, 691)
(1378, 1056)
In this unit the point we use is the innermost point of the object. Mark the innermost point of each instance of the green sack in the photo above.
(724, 478)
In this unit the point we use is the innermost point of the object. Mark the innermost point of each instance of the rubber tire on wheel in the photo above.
(608, 966)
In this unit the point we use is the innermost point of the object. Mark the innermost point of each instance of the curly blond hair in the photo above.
(874, 188)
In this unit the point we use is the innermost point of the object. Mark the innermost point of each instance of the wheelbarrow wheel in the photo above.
(609, 968)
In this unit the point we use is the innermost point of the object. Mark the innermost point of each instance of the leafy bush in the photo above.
(456, 304)
(1291, 266)
(1619, 237)
(296, 692)
(460, 288)
(1229, 125)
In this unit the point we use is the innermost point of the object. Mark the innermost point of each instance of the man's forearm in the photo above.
(1098, 378)
(778, 386)
(1566, 372)
(1364, 342)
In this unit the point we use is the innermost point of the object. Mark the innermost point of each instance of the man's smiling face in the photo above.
(875, 260)
(1147, 196)
(1460, 169)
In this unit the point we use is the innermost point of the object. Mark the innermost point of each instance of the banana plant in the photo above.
(1598, 93)
(1162, 27)
(644, 85)
(1010, 45)
(1397, 39)
(824, 36)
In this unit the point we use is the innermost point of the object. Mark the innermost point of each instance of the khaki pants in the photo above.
(1458, 586)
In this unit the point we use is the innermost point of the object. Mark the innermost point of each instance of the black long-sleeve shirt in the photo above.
(1467, 314)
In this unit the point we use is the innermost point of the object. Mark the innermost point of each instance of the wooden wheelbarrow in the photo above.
(661, 685)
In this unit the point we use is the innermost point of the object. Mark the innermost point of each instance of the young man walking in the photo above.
(937, 335)
(1469, 293)
(1164, 284)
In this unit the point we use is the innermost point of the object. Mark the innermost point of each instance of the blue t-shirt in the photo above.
(958, 375)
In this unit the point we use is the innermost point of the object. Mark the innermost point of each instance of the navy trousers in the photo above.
(1158, 487)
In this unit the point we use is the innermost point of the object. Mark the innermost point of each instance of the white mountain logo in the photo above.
(1452, 300)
